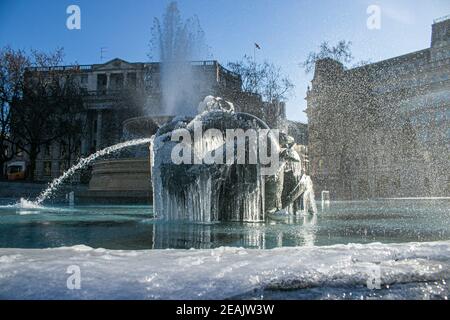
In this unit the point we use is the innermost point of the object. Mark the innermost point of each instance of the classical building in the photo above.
(118, 90)
(383, 129)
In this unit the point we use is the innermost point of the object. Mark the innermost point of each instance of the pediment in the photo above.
(114, 64)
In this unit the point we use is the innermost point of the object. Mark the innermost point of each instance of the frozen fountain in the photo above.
(227, 191)
(200, 192)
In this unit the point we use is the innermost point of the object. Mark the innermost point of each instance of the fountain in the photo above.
(200, 192)
(216, 191)
(224, 191)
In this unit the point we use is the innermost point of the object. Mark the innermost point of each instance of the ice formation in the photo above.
(211, 103)
(407, 271)
(227, 191)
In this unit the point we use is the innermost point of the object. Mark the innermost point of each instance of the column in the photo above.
(108, 81)
(56, 158)
(85, 135)
(84, 146)
(98, 137)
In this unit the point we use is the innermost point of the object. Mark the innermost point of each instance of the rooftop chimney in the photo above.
(440, 32)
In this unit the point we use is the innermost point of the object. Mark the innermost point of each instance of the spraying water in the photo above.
(53, 186)
(177, 43)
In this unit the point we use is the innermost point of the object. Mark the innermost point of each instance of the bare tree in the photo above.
(71, 131)
(340, 52)
(13, 64)
(264, 79)
(267, 81)
(51, 100)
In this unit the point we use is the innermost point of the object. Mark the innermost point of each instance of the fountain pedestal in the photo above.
(121, 181)
(126, 179)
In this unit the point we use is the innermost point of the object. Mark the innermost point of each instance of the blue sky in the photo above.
(286, 30)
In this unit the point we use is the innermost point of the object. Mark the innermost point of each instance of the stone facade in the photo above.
(383, 129)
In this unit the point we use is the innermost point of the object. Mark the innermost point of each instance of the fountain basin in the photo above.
(126, 179)
(120, 181)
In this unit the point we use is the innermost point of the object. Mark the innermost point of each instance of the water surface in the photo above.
(134, 227)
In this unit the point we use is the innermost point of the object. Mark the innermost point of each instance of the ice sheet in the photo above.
(224, 272)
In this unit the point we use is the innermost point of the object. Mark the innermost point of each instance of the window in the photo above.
(47, 168)
(426, 183)
(101, 79)
(84, 80)
(320, 164)
(47, 150)
(101, 83)
(63, 149)
(396, 182)
(116, 81)
(78, 148)
(131, 79)
(62, 167)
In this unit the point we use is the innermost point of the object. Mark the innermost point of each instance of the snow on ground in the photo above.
(218, 273)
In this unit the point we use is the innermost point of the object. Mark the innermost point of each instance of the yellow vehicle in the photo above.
(16, 170)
